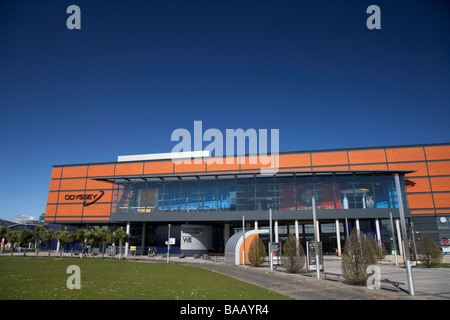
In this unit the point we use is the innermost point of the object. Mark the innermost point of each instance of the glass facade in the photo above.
(250, 192)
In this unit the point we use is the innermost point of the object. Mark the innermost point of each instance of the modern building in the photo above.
(205, 202)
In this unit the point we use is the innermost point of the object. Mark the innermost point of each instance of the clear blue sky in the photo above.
(137, 70)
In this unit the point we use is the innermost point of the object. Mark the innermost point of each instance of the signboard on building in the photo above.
(195, 238)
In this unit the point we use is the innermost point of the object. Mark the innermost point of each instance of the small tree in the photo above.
(12, 237)
(122, 236)
(103, 235)
(378, 248)
(3, 232)
(39, 231)
(81, 235)
(47, 237)
(428, 251)
(357, 256)
(71, 238)
(91, 237)
(293, 255)
(25, 236)
(63, 238)
(257, 252)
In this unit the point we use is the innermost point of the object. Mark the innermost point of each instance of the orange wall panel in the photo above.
(442, 200)
(420, 168)
(97, 209)
(335, 168)
(222, 164)
(294, 160)
(158, 167)
(124, 169)
(52, 197)
(257, 163)
(54, 185)
(190, 166)
(422, 211)
(421, 185)
(440, 168)
(417, 201)
(98, 185)
(101, 170)
(72, 184)
(74, 172)
(50, 210)
(440, 184)
(369, 167)
(329, 158)
(366, 156)
(405, 154)
(56, 173)
(69, 210)
(95, 219)
(438, 153)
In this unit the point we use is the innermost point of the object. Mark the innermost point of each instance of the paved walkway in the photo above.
(430, 284)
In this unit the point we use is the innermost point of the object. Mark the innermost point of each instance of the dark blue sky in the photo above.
(138, 70)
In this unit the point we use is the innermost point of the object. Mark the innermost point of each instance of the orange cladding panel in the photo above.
(421, 185)
(417, 201)
(72, 184)
(74, 172)
(420, 168)
(101, 170)
(54, 185)
(222, 164)
(158, 167)
(52, 197)
(124, 169)
(98, 185)
(369, 167)
(438, 153)
(56, 173)
(50, 210)
(190, 166)
(69, 210)
(405, 154)
(441, 168)
(97, 209)
(366, 156)
(329, 158)
(422, 211)
(442, 200)
(440, 184)
(335, 168)
(257, 162)
(294, 160)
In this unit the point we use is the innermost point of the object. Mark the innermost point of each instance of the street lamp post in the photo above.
(404, 235)
(270, 237)
(168, 244)
(316, 237)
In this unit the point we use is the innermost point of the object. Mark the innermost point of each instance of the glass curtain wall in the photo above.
(256, 193)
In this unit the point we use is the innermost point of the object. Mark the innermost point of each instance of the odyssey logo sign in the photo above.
(92, 197)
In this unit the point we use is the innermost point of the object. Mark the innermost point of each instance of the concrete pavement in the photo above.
(430, 284)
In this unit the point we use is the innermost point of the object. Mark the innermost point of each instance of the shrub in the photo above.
(378, 248)
(293, 255)
(357, 256)
(257, 252)
(428, 251)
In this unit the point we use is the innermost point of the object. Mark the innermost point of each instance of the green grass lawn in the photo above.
(23, 278)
